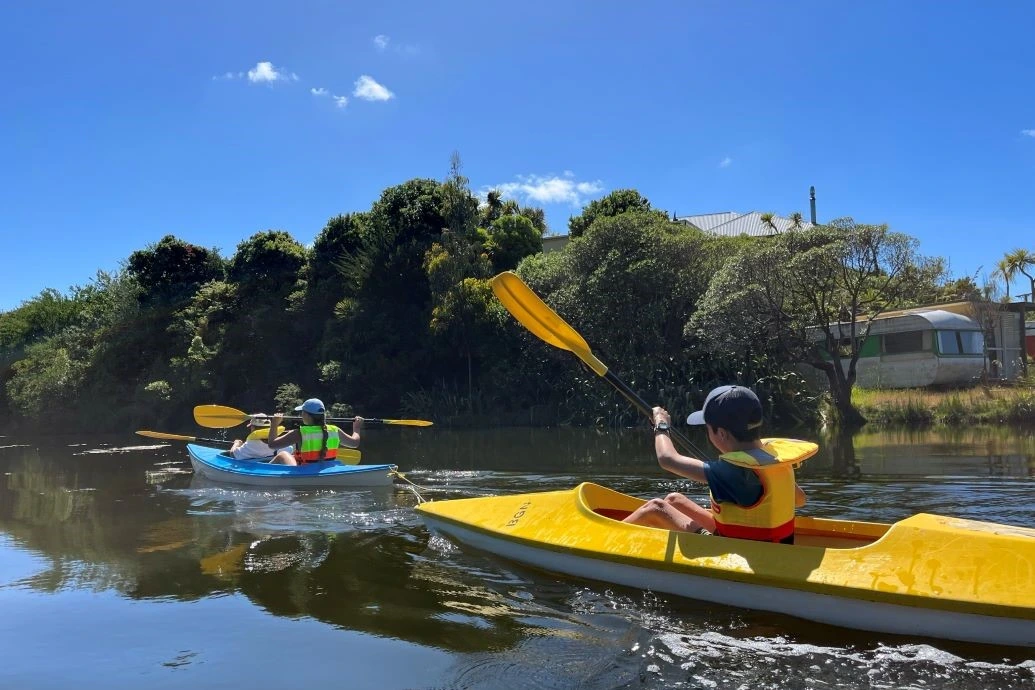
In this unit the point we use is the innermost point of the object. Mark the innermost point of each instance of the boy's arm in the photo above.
(799, 497)
(669, 458)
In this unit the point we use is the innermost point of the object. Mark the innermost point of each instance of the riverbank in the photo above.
(925, 407)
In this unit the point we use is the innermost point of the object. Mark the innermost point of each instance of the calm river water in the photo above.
(119, 569)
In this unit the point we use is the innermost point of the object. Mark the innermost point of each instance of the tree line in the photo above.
(390, 312)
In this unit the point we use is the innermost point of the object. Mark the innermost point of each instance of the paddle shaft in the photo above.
(366, 420)
(181, 437)
(213, 440)
(344, 452)
(646, 409)
(223, 417)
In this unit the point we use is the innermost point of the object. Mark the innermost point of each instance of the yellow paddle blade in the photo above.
(407, 422)
(167, 437)
(219, 416)
(535, 315)
(349, 456)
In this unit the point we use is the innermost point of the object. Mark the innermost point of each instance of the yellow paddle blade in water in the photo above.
(535, 315)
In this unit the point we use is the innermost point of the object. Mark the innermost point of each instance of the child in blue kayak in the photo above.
(315, 440)
(254, 446)
(752, 486)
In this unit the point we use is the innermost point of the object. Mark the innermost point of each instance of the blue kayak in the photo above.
(217, 464)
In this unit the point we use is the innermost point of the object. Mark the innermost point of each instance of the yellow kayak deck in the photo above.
(926, 561)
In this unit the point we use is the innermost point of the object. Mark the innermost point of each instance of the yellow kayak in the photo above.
(926, 575)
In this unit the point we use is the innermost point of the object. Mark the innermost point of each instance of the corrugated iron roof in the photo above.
(734, 224)
(707, 221)
(751, 224)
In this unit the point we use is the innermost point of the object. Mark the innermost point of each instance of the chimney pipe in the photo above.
(812, 203)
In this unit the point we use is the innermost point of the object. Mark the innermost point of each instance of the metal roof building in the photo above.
(733, 224)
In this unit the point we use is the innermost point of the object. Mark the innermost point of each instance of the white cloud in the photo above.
(384, 44)
(726, 162)
(549, 189)
(340, 101)
(1028, 132)
(265, 73)
(370, 90)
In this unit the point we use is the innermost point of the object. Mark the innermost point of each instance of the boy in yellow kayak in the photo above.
(752, 487)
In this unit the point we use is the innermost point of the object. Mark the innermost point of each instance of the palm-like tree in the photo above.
(493, 207)
(1005, 270)
(797, 221)
(767, 220)
(1020, 260)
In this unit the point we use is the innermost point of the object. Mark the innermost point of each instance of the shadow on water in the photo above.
(93, 518)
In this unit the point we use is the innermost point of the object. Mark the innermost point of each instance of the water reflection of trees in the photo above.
(972, 452)
(103, 529)
(96, 523)
(841, 449)
(983, 451)
(518, 449)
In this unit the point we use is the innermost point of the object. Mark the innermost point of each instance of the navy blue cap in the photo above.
(735, 408)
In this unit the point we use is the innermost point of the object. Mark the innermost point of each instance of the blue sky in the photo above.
(124, 121)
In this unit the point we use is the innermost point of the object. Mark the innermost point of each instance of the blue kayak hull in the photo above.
(216, 464)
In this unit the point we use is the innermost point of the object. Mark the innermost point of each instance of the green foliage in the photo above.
(955, 290)
(512, 238)
(267, 265)
(288, 396)
(392, 309)
(341, 238)
(537, 217)
(459, 207)
(915, 408)
(160, 389)
(44, 382)
(614, 204)
(629, 284)
(330, 372)
(1017, 262)
(171, 270)
(44, 315)
(341, 410)
(802, 294)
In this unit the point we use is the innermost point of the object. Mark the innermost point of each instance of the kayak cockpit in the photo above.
(808, 531)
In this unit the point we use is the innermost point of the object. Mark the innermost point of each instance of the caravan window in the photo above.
(948, 343)
(898, 343)
(972, 342)
(961, 342)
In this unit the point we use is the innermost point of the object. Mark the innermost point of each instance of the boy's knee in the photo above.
(657, 504)
(674, 498)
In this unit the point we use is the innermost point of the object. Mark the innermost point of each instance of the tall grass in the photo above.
(920, 407)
